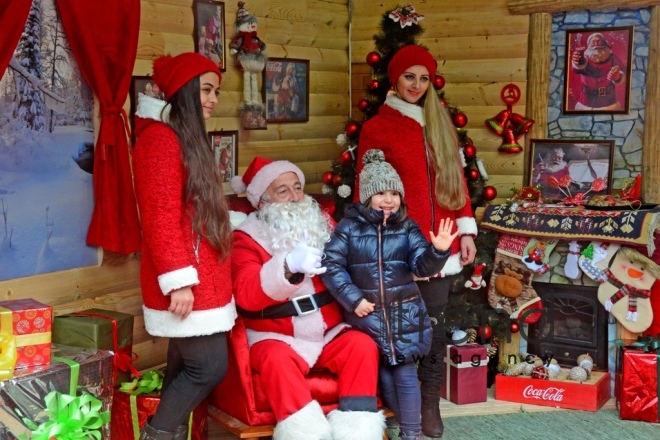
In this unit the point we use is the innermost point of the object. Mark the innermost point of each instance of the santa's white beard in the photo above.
(598, 54)
(288, 223)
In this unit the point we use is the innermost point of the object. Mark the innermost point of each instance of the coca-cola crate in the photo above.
(589, 395)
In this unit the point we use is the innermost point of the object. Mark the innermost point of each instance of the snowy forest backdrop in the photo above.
(46, 153)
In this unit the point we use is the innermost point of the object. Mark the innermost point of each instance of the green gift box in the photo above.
(101, 329)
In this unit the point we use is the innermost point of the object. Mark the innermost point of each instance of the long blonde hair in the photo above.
(442, 141)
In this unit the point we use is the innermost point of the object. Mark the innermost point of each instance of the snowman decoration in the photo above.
(249, 51)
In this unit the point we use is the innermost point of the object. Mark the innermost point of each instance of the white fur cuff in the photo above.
(177, 279)
(308, 423)
(467, 226)
(357, 425)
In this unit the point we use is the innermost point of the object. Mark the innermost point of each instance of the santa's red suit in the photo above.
(169, 244)
(284, 350)
(398, 130)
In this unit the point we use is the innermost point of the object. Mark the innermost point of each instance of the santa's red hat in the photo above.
(260, 174)
(172, 73)
(407, 56)
(478, 269)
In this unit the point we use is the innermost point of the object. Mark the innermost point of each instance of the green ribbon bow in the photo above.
(148, 383)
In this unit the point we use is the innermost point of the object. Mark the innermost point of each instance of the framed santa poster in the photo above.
(210, 30)
(598, 70)
(286, 90)
(225, 150)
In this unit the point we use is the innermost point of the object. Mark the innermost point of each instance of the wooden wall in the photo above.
(316, 30)
(480, 47)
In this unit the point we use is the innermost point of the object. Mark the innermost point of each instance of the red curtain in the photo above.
(103, 37)
(13, 15)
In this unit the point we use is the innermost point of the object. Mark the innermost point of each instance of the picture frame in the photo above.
(209, 31)
(225, 151)
(286, 90)
(583, 160)
(588, 86)
(145, 85)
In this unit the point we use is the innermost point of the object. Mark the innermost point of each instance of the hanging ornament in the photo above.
(352, 129)
(444, 103)
(460, 120)
(327, 177)
(509, 142)
(470, 151)
(345, 158)
(438, 82)
(373, 58)
(515, 327)
(484, 332)
(473, 174)
(337, 180)
(373, 85)
(521, 125)
(498, 122)
(363, 105)
(490, 193)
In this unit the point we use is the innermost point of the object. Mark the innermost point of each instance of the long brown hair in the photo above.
(203, 184)
(442, 140)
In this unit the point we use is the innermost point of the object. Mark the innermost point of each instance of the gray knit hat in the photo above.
(377, 176)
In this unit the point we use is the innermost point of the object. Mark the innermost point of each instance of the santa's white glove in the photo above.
(305, 259)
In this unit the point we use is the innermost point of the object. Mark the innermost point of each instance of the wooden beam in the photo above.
(520, 7)
(650, 156)
(538, 78)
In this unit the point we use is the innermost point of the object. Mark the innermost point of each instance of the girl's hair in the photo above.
(203, 185)
(403, 209)
(441, 138)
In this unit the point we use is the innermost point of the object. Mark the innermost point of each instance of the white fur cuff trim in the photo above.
(273, 282)
(308, 423)
(177, 279)
(357, 425)
(467, 226)
(452, 266)
(200, 322)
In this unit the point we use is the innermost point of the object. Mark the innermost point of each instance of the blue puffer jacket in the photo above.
(366, 259)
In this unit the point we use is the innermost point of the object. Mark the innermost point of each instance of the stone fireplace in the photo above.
(573, 323)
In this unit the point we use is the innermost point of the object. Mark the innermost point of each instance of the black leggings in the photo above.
(435, 293)
(195, 366)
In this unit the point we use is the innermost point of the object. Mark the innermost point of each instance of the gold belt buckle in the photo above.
(602, 91)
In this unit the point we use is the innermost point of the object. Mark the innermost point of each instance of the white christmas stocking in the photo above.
(571, 268)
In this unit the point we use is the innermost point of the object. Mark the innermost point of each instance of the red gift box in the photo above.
(466, 373)
(32, 325)
(637, 383)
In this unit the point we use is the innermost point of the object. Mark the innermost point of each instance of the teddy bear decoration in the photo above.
(251, 58)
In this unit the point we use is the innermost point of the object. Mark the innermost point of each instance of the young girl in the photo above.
(185, 271)
(371, 260)
(418, 138)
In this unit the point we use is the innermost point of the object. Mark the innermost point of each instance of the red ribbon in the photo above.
(121, 360)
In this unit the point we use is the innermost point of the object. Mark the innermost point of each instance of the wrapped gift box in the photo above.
(128, 410)
(589, 395)
(466, 373)
(637, 384)
(23, 396)
(102, 329)
(32, 323)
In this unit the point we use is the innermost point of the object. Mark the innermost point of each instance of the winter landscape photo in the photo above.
(46, 153)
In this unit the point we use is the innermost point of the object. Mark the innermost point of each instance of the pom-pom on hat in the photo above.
(172, 73)
(407, 56)
(260, 174)
(243, 15)
(377, 176)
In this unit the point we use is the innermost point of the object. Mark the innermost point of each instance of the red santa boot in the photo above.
(309, 423)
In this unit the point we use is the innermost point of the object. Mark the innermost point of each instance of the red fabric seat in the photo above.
(240, 394)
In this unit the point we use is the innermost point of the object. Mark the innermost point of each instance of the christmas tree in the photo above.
(398, 28)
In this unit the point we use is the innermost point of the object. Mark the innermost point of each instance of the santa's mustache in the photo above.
(598, 54)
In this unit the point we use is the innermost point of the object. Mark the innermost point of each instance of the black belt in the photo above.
(298, 306)
(598, 91)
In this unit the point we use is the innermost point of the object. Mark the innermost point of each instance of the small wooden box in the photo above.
(589, 395)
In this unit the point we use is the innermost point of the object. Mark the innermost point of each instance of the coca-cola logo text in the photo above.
(551, 393)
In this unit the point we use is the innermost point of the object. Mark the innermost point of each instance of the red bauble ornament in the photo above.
(373, 58)
(444, 103)
(363, 105)
(459, 120)
(470, 151)
(473, 174)
(327, 177)
(373, 85)
(515, 327)
(484, 332)
(345, 158)
(337, 180)
(490, 193)
(438, 82)
(352, 129)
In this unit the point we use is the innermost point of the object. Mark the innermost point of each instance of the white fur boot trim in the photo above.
(357, 425)
(309, 423)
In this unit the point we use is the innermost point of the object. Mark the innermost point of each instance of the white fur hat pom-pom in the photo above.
(237, 185)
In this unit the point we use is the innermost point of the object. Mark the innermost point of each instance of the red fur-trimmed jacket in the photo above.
(259, 282)
(398, 130)
(168, 259)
